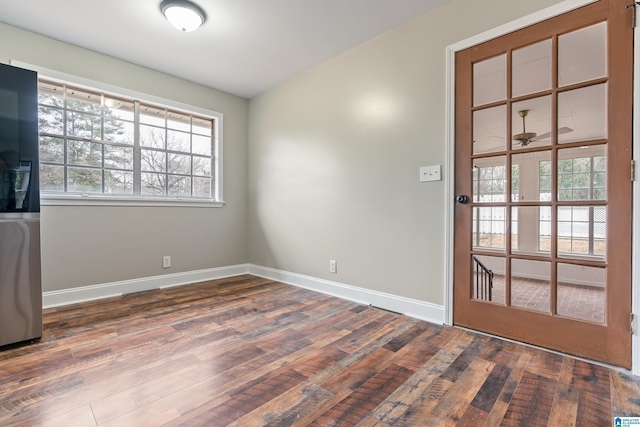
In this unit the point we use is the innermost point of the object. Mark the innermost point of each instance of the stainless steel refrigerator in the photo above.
(20, 276)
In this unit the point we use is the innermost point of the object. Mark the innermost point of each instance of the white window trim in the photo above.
(64, 199)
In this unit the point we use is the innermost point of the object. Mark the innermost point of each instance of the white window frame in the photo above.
(67, 199)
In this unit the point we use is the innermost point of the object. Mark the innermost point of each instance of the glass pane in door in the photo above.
(582, 114)
(487, 278)
(489, 80)
(527, 231)
(490, 129)
(582, 173)
(582, 231)
(489, 179)
(531, 123)
(489, 227)
(582, 55)
(581, 292)
(531, 176)
(531, 284)
(531, 69)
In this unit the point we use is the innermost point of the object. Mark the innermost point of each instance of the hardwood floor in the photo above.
(247, 351)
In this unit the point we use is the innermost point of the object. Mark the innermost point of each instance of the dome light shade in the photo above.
(183, 14)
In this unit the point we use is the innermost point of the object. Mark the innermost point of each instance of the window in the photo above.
(581, 178)
(515, 182)
(489, 184)
(544, 188)
(489, 227)
(98, 144)
(581, 229)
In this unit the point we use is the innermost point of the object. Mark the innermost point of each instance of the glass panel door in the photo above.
(542, 163)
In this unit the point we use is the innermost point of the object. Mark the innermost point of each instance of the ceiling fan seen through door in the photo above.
(525, 138)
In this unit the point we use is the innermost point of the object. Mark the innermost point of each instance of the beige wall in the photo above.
(334, 155)
(91, 245)
(332, 164)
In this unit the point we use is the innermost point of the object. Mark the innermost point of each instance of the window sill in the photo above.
(48, 199)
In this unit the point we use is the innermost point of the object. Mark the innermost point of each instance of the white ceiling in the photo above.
(245, 47)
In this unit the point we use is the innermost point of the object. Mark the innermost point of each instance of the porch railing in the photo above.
(483, 280)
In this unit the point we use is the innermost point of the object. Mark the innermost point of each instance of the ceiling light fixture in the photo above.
(183, 14)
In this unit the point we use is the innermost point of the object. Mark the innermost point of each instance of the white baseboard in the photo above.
(106, 290)
(414, 308)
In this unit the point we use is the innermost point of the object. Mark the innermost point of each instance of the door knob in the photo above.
(462, 199)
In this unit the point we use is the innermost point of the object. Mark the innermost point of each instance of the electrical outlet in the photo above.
(333, 266)
(166, 262)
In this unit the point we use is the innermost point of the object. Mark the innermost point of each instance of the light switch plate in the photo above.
(430, 173)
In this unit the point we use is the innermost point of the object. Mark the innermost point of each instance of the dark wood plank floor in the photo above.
(247, 351)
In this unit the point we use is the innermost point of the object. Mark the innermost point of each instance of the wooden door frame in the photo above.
(449, 172)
